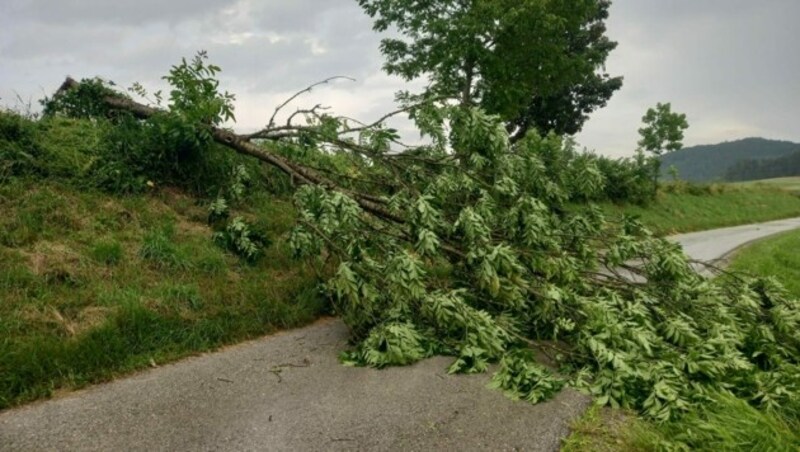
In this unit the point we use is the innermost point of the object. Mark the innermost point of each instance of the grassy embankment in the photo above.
(729, 424)
(95, 284)
(777, 256)
(791, 184)
(685, 209)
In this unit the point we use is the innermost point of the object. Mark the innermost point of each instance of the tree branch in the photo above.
(303, 91)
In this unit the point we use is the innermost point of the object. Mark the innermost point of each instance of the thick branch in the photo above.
(241, 144)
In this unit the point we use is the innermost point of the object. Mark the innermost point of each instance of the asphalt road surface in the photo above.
(289, 392)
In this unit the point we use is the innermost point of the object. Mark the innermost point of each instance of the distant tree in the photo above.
(662, 133)
(538, 64)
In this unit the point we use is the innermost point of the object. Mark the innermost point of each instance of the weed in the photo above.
(107, 252)
(724, 423)
(209, 260)
(183, 295)
(159, 249)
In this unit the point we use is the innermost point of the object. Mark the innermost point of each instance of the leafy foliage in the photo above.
(467, 247)
(86, 101)
(662, 133)
(240, 238)
(195, 102)
(521, 269)
(131, 155)
(236, 235)
(663, 130)
(17, 135)
(539, 65)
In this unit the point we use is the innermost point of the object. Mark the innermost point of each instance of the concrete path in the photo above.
(288, 392)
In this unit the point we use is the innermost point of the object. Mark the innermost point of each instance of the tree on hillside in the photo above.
(538, 64)
(662, 133)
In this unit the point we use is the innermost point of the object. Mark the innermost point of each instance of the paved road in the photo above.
(288, 392)
(717, 244)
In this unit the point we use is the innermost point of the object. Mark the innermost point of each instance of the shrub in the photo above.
(627, 180)
(184, 294)
(17, 149)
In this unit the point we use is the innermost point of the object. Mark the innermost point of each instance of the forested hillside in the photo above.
(755, 169)
(712, 162)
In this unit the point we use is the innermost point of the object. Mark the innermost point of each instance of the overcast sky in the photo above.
(733, 66)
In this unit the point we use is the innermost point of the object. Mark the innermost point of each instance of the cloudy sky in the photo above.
(731, 65)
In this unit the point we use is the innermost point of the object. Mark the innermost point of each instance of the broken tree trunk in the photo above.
(242, 144)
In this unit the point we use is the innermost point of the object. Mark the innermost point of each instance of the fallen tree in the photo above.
(481, 249)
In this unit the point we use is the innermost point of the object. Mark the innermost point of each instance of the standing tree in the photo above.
(662, 133)
(537, 64)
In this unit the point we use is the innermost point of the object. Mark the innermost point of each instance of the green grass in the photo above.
(93, 286)
(777, 256)
(723, 424)
(791, 184)
(680, 210)
(606, 430)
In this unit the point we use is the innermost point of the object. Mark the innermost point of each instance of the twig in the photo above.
(303, 91)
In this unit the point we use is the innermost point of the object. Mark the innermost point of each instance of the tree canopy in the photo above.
(537, 64)
(663, 129)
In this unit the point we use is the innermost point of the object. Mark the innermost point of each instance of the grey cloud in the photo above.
(729, 64)
(91, 12)
(305, 15)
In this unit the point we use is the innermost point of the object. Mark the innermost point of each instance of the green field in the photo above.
(791, 184)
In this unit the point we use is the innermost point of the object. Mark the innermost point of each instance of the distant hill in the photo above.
(712, 162)
(754, 169)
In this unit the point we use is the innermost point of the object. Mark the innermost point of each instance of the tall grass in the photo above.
(725, 423)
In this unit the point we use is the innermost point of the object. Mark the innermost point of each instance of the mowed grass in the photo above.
(791, 184)
(677, 211)
(93, 286)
